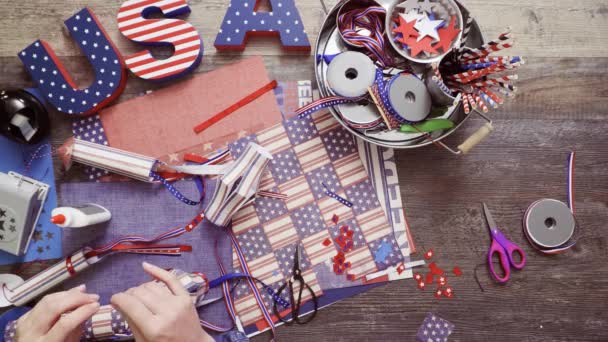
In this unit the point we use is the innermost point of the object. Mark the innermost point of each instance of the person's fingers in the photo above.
(133, 309)
(169, 279)
(157, 288)
(47, 311)
(66, 325)
(151, 300)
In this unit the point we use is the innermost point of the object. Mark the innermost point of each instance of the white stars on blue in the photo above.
(52, 83)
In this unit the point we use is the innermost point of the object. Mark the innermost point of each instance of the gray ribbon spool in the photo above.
(409, 97)
(360, 114)
(550, 223)
(350, 74)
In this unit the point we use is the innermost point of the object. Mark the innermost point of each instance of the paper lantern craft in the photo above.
(58, 87)
(133, 24)
(242, 21)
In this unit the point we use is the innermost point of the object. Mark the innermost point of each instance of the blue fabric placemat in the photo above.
(46, 241)
(145, 209)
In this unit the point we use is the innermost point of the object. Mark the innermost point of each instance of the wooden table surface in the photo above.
(561, 107)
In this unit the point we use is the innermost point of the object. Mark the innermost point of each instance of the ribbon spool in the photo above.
(409, 97)
(350, 74)
(549, 226)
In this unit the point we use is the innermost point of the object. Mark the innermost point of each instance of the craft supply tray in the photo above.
(329, 42)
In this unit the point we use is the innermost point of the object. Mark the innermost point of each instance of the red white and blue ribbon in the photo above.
(371, 20)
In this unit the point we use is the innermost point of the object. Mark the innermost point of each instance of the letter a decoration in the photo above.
(180, 34)
(242, 20)
(57, 86)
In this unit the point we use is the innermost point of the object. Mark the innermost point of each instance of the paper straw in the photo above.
(480, 103)
(471, 101)
(465, 35)
(486, 98)
(465, 104)
(492, 95)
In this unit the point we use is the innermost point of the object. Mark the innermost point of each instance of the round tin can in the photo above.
(329, 42)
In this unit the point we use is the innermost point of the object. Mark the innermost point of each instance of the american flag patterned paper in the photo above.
(57, 86)
(242, 20)
(184, 38)
(306, 153)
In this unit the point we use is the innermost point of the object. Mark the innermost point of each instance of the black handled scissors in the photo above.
(296, 281)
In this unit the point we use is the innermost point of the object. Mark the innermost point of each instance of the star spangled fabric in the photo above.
(306, 153)
(434, 329)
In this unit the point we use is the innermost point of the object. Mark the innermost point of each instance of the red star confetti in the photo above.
(327, 242)
(442, 281)
(350, 277)
(421, 285)
(457, 272)
(429, 278)
(335, 218)
(438, 293)
(435, 270)
(448, 292)
(418, 277)
(416, 47)
(429, 254)
(447, 35)
(406, 29)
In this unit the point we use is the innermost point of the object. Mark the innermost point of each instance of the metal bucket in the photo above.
(330, 42)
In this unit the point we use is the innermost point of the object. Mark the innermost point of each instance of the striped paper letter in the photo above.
(188, 45)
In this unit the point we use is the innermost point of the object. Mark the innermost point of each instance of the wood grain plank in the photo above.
(544, 28)
(561, 106)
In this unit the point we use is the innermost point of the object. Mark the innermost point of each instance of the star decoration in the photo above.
(418, 46)
(426, 6)
(412, 15)
(49, 235)
(409, 5)
(173, 157)
(2, 213)
(447, 35)
(37, 236)
(406, 29)
(12, 229)
(40, 249)
(427, 27)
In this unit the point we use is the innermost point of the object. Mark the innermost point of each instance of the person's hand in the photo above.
(160, 313)
(58, 317)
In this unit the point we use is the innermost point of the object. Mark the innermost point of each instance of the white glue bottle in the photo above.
(80, 216)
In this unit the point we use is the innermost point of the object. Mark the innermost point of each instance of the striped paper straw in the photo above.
(503, 91)
(465, 104)
(480, 103)
(442, 86)
(486, 98)
(465, 35)
(492, 95)
(471, 101)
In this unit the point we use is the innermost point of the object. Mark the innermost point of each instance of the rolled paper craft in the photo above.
(238, 186)
(127, 163)
(49, 278)
(109, 324)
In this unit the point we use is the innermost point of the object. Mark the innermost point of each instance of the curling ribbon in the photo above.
(570, 196)
(337, 197)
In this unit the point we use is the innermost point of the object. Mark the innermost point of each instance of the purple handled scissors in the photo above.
(504, 248)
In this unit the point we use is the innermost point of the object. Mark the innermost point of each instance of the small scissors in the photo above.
(504, 248)
(301, 285)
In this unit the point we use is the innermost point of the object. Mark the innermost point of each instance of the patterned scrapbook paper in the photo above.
(168, 115)
(306, 152)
